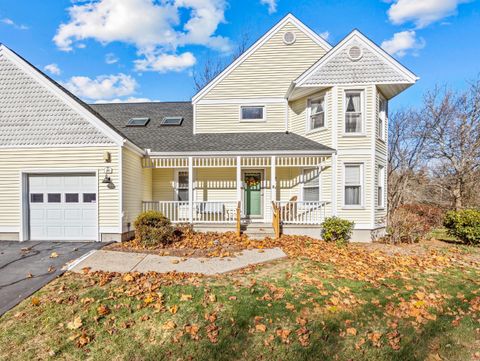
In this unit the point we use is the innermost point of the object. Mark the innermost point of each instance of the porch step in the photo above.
(261, 230)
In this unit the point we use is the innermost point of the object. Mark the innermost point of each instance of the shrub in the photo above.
(431, 216)
(464, 225)
(152, 228)
(338, 230)
(406, 226)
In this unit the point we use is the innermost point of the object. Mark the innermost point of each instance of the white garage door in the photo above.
(63, 207)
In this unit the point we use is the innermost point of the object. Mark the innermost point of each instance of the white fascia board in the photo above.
(134, 148)
(38, 76)
(367, 42)
(245, 153)
(241, 101)
(289, 18)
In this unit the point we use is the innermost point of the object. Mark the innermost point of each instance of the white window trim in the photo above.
(175, 185)
(309, 130)
(263, 120)
(362, 104)
(362, 186)
(381, 135)
(302, 198)
(380, 182)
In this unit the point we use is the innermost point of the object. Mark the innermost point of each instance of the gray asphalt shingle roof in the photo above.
(178, 139)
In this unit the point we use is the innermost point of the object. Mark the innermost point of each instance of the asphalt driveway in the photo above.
(26, 267)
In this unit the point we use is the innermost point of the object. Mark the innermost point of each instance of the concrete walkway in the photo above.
(114, 261)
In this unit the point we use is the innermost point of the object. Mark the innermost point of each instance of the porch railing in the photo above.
(202, 212)
(299, 212)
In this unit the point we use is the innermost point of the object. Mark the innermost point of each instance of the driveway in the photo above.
(26, 267)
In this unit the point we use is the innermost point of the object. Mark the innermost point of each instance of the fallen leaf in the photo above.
(75, 324)
(260, 327)
(184, 297)
(35, 301)
(169, 325)
(53, 255)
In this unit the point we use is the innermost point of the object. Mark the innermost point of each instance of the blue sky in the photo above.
(112, 50)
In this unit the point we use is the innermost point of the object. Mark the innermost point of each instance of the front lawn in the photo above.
(323, 303)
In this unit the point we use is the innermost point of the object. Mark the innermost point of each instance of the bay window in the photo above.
(353, 112)
(382, 118)
(380, 186)
(316, 116)
(353, 185)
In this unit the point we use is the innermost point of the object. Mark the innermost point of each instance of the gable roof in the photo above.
(171, 140)
(289, 18)
(374, 66)
(69, 99)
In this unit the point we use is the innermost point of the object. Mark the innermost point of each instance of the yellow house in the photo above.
(292, 123)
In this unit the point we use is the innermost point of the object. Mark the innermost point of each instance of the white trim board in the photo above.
(242, 101)
(289, 18)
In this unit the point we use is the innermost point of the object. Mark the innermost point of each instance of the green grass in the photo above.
(40, 332)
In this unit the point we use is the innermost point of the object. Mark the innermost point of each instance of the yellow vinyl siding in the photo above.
(137, 187)
(298, 121)
(163, 184)
(380, 159)
(269, 71)
(12, 162)
(225, 118)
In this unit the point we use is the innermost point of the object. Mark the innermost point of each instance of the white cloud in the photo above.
(10, 22)
(165, 62)
(126, 100)
(111, 58)
(272, 5)
(52, 69)
(154, 28)
(103, 86)
(403, 42)
(422, 12)
(325, 35)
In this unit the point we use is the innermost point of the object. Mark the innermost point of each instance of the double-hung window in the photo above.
(316, 116)
(252, 113)
(382, 118)
(353, 112)
(181, 188)
(311, 184)
(353, 185)
(380, 186)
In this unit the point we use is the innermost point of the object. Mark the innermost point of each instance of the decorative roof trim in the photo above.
(245, 153)
(62, 95)
(288, 18)
(357, 35)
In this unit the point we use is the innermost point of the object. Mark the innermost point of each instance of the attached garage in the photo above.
(62, 207)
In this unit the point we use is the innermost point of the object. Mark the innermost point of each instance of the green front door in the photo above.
(253, 194)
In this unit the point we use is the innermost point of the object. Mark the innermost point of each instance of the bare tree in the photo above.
(213, 66)
(452, 121)
(406, 147)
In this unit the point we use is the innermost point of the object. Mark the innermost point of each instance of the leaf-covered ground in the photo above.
(323, 303)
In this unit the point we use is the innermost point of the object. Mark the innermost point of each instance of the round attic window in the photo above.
(355, 53)
(289, 37)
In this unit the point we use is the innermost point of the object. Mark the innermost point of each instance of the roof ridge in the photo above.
(153, 102)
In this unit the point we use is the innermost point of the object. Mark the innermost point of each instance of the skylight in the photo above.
(172, 121)
(138, 122)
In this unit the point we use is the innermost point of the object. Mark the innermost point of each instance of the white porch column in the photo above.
(239, 178)
(273, 176)
(190, 189)
(334, 184)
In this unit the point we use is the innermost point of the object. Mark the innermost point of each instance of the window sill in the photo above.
(354, 135)
(317, 130)
(380, 208)
(253, 121)
(353, 207)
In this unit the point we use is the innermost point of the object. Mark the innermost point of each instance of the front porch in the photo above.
(218, 192)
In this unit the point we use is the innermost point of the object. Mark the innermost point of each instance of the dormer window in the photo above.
(252, 113)
(138, 122)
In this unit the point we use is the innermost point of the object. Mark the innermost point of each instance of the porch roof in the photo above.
(180, 139)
